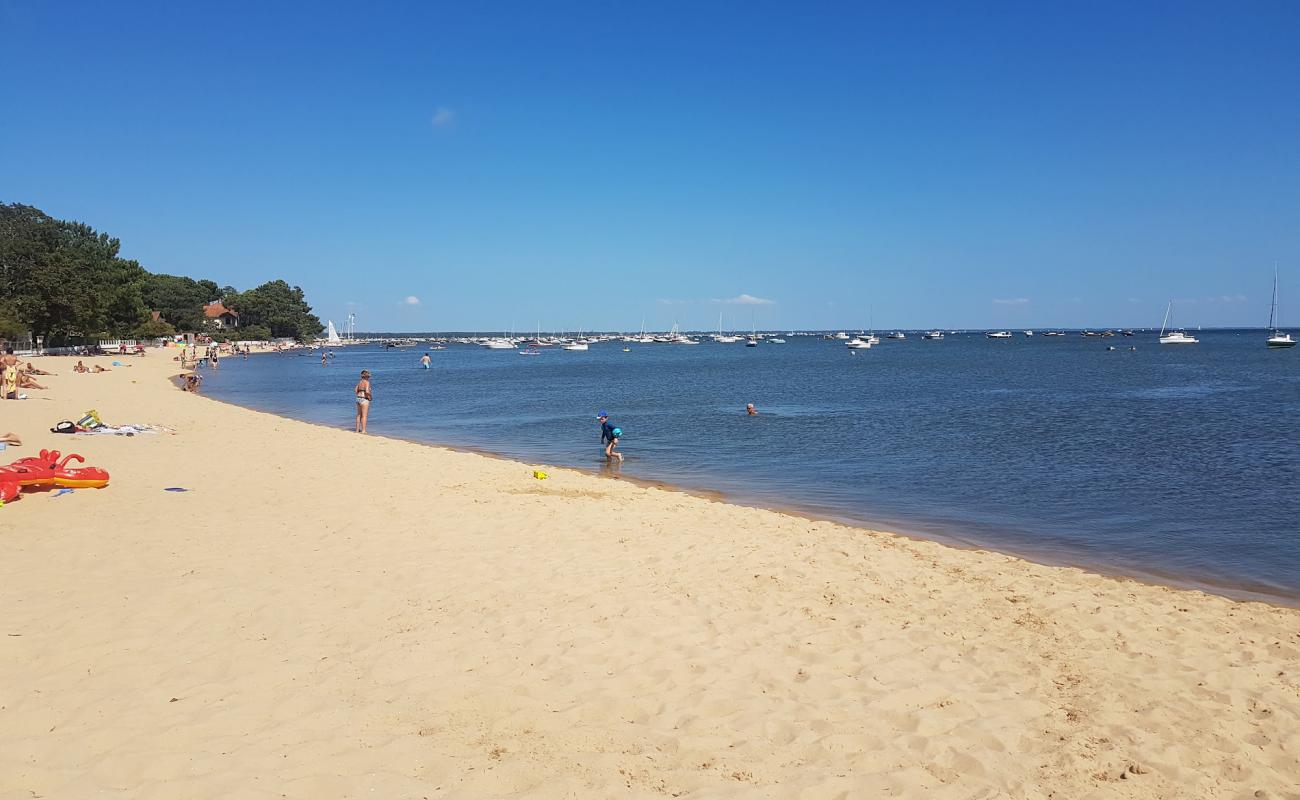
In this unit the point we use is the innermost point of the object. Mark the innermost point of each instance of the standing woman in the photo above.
(364, 396)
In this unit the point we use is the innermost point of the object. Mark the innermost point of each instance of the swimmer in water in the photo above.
(424, 360)
(750, 410)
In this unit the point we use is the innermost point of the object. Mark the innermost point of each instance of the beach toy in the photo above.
(617, 432)
(539, 475)
(90, 420)
(47, 469)
(175, 489)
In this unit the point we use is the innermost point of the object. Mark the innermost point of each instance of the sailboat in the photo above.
(577, 345)
(1277, 339)
(642, 339)
(1174, 337)
(720, 339)
(752, 341)
(332, 335)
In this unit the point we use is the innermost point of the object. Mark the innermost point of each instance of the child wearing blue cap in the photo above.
(609, 436)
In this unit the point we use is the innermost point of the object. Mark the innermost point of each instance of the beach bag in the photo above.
(66, 426)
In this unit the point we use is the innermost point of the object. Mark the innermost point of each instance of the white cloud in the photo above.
(411, 300)
(443, 117)
(1011, 301)
(746, 300)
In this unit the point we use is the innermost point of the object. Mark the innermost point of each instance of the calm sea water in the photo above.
(1178, 462)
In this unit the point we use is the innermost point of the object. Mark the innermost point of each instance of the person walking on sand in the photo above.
(609, 437)
(364, 396)
(424, 360)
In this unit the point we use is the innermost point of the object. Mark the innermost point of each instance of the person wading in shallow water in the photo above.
(609, 437)
(364, 396)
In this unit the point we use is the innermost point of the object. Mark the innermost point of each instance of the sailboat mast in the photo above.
(1168, 308)
(1272, 312)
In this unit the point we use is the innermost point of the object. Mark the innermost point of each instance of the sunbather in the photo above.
(10, 438)
(80, 368)
(31, 369)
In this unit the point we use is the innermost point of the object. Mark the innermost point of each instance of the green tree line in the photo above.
(65, 281)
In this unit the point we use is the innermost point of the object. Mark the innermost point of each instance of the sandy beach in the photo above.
(325, 615)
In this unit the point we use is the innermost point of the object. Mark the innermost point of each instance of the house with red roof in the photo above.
(218, 316)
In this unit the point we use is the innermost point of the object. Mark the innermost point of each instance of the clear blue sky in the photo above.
(588, 165)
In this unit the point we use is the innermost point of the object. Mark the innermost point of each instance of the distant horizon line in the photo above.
(710, 331)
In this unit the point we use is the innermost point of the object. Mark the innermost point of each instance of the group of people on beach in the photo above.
(16, 375)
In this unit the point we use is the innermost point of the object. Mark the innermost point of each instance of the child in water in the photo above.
(609, 437)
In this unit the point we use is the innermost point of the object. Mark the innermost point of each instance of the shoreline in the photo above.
(1236, 591)
(328, 615)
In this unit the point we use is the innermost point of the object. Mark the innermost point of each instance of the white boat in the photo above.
(935, 336)
(1029, 333)
(1277, 339)
(1174, 337)
(858, 344)
(332, 336)
(998, 335)
(1054, 333)
(897, 335)
(776, 341)
(727, 339)
(675, 337)
(499, 344)
(842, 336)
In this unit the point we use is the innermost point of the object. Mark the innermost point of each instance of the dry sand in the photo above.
(328, 616)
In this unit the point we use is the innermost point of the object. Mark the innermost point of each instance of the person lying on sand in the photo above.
(31, 369)
(98, 368)
(10, 438)
(80, 368)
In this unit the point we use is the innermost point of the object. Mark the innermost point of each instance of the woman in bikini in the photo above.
(364, 396)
